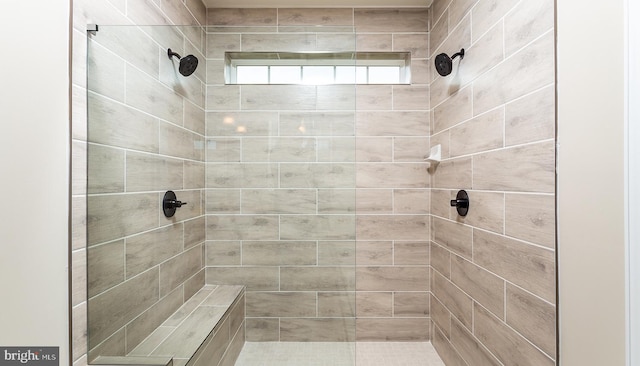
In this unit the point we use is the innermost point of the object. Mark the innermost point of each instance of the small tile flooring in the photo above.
(338, 354)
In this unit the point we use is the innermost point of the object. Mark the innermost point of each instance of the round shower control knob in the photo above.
(170, 203)
(461, 203)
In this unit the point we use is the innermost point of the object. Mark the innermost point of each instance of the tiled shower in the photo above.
(317, 198)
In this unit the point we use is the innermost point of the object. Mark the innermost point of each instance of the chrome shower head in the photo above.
(188, 64)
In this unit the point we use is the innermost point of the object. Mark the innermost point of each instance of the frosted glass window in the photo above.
(285, 74)
(361, 75)
(317, 74)
(384, 75)
(252, 75)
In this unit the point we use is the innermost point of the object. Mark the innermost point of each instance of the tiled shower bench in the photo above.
(207, 330)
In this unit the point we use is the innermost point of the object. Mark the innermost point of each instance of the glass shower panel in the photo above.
(146, 126)
(268, 176)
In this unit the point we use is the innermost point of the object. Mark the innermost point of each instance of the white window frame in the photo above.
(359, 59)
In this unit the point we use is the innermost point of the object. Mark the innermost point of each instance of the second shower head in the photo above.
(188, 64)
(444, 63)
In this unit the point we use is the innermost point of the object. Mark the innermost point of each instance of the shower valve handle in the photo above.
(174, 203)
(464, 203)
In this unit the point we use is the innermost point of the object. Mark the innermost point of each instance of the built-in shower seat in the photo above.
(207, 330)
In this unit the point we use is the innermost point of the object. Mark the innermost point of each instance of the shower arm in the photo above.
(461, 54)
(171, 54)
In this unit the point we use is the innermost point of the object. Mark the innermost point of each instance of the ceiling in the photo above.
(315, 3)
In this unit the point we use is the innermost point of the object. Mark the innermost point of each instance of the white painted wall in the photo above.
(34, 153)
(591, 237)
(633, 185)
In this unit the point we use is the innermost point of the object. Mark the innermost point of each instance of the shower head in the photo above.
(188, 64)
(444, 63)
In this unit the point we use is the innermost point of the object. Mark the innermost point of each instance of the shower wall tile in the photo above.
(315, 17)
(277, 97)
(455, 300)
(454, 236)
(532, 317)
(152, 248)
(440, 259)
(277, 253)
(397, 278)
(336, 304)
(222, 201)
(336, 42)
(488, 211)
(525, 265)
(339, 253)
(469, 347)
(486, 288)
(317, 279)
(417, 44)
(115, 124)
(281, 42)
(177, 270)
(253, 123)
(181, 143)
(317, 330)
(531, 118)
(411, 201)
(441, 317)
(247, 175)
(106, 267)
(410, 253)
(79, 168)
(280, 201)
(194, 232)
(374, 42)
(223, 97)
(317, 175)
(340, 201)
(106, 169)
(193, 176)
(527, 22)
(486, 52)
(488, 12)
(411, 304)
(445, 350)
(262, 329)
(374, 304)
(374, 252)
(392, 227)
(410, 97)
(129, 300)
(290, 149)
(536, 65)
(336, 97)
(242, 17)
(392, 329)
(455, 109)
(247, 227)
(453, 174)
(136, 213)
(281, 304)
(220, 43)
(408, 123)
(317, 227)
(374, 97)
(316, 123)
(410, 149)
(151, 96)
(439, 30)
(336, 149)
(529, 168)
(485, 132)
(254, 278)
(147, 172)
(392, 175)
(370, 201)
(392, 20)
(106, 72)
(531, 218)
(507, 345)
(79, 276)
(224, 150)
(220, 253)
(374, 149)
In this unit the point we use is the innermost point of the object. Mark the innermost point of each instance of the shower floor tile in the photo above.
(338, 354)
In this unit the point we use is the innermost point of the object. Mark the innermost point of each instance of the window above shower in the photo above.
(318, 68)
